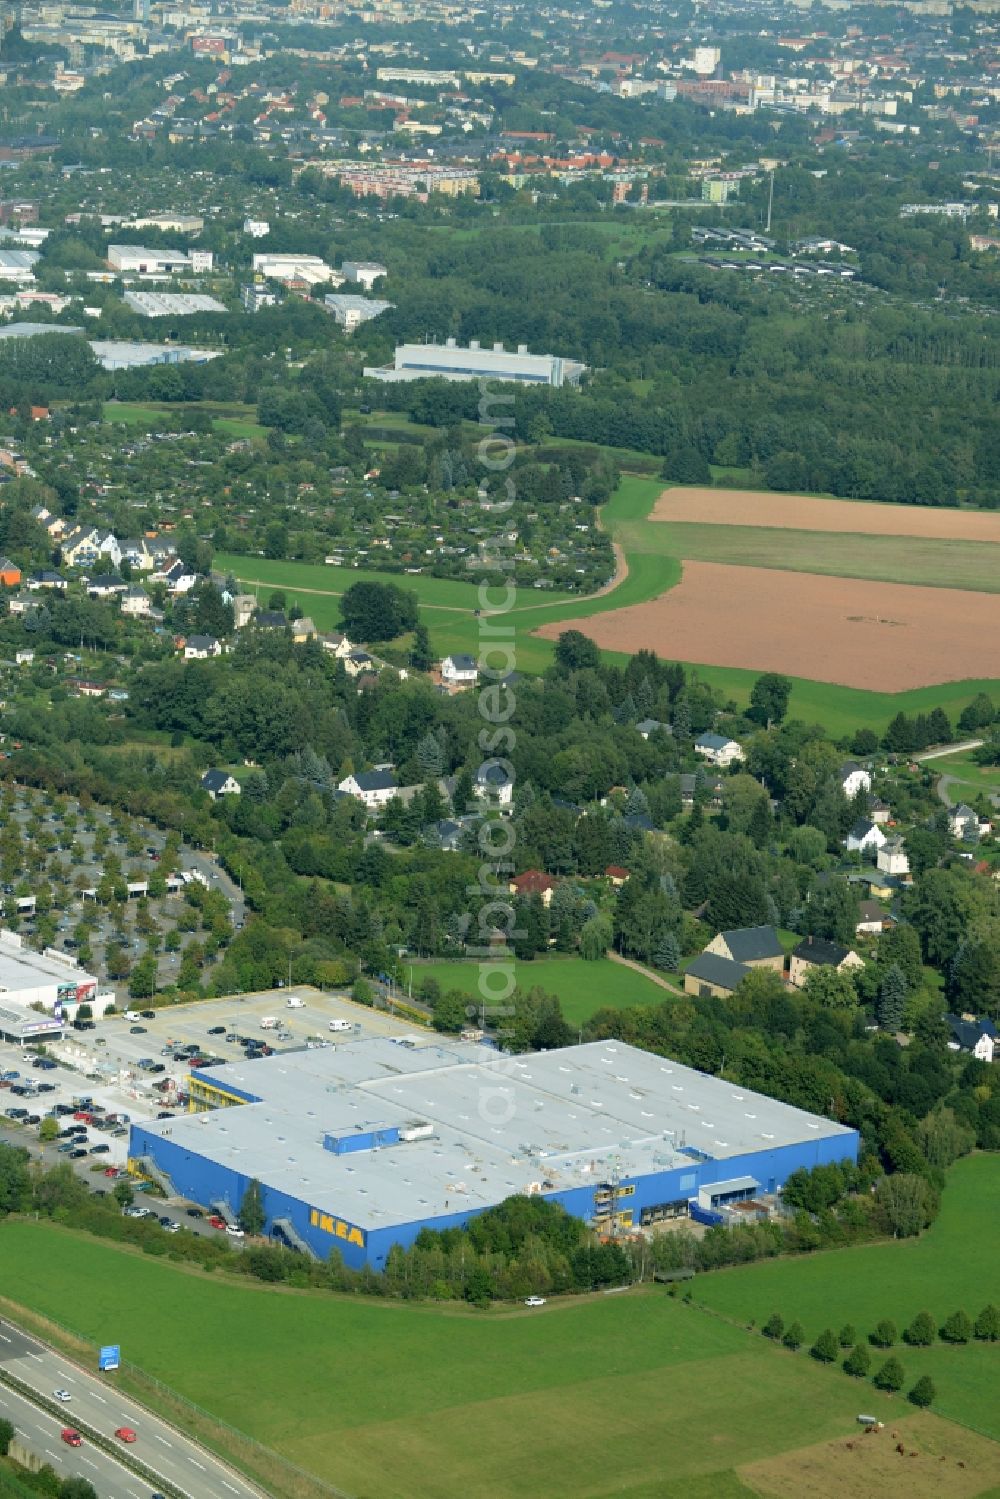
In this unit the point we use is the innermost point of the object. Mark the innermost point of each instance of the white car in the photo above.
(63, 1395)
(234, 1231)
(535, 1301)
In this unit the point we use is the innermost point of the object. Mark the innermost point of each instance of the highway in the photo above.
(41, 1433)
(96, 1403)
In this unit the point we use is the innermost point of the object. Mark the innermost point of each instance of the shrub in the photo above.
(858, 1361)
(922, 1331)
(890, 1377)
(884, 1335)
(923, 1392)
(794, 1336)
(957, 1329)
(825, 1347)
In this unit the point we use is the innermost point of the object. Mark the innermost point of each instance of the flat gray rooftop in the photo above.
(551, 1121)
(24, 969)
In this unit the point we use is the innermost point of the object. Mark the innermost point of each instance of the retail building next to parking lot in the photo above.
(359, 1147)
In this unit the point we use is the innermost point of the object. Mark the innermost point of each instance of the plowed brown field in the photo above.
(884, 637)
(747, 507)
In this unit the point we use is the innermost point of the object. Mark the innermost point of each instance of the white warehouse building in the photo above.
(450, 361)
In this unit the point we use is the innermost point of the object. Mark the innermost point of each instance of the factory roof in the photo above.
(489, 1125)
(172, 304)
(21, 968)
(33, 330)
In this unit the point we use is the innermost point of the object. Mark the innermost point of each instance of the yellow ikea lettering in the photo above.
(341, 1229)
(336, 1226)
(356, 1237)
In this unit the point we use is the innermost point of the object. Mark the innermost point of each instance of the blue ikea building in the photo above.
(359, 1147)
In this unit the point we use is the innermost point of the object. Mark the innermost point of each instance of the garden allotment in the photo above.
(360, 1147)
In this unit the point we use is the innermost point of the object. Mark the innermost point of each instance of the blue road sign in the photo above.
(110, 1357)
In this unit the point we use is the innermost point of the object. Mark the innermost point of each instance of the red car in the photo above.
(71, 1437)
(84, 1117)
(125, 1434)
(217, 1222)
(113, 1171)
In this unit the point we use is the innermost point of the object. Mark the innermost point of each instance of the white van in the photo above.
(269, 1023)
(131, 1014)
(341, 1025)
(293, 1002)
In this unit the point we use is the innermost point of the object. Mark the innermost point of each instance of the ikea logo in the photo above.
(336, 1226)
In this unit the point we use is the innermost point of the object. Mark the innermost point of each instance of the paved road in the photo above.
(948, 749)
(40, 1432)
(96, 1401)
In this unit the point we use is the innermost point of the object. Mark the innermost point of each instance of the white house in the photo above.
(338, 645)
(976, 1036)
(135, 603)
(110, 547)
(493, 784)
(459, 671)
(220, 783)
(372, 787)
(363, 272)
(256, 228)
(892, 858)
(201, 647)
(961, 818)
(864, 834)
(854, 778)
(718, 750)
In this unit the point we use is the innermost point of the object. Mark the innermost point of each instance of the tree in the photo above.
(595, 939)
(885, 1334)
(378, 611)
(987, 1327)
(252, 1215)
(77, 1488)
(858, 1362)
(891, 999)
(421, 655)
(769, 698)
(123, 1194)
(7, 1435)
(830, 987)
(905, 1202)
(890, 1377)
(825, 1347)
(668, 953)
(451, 1011)
(794, 1336)
(847, 1335)
(922, 1331)
(575, 652)
(923, 1393)
(48, 1130)
(957, 1328)
(774, 1327)
(142, 980)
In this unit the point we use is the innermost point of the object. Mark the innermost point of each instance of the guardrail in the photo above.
(120, 1452)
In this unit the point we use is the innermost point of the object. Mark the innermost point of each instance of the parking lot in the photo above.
(103, 1065)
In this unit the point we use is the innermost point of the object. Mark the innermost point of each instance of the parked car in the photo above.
(75, 1155)
(534, 1301)
(217, 1222)
(195, 1213)
(137, 1030)
(217, 1030)
(100, 1149)
(234, 1231)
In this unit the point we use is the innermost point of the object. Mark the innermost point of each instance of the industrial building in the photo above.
(49, 978)
(171, 304)
(116, 354)
(351, 311)
(449, 361)
(361, 1146)
(139, 260)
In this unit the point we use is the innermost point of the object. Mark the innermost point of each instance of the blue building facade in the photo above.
(632, 1201)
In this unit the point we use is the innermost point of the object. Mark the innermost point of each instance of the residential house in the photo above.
(718, 750)
(713, 977)
(689, 784)
(647, 726)
(177, 577)
(21, 603)
(136, 603)
(459, 671)
(854, 778)
(135, 551)
(106, 587)
(892, 857)
(618, 875)
(533, 882)
(494, 784)
(449, 834)
(47, 578)
(303, 629)
(338, 645)
(220, 783)
(960, 819)
(881, 886)
(244, 605)
(201, 647)
(872, 918)
(270, 619)
(109, 546)
(817, 952)
(969, 1034)
(10, 573)
(24, 657)
(358, 663)
(753, 946)
(372, 787)
(865, 834)
(80, 547)
(879, 811)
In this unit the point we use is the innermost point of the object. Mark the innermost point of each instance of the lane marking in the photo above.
(161, 1439)
(230, 1487)
(98, 1397)
(197, 1463)
(89, 1463)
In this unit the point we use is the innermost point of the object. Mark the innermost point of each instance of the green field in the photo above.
(954, 1265)
(228, 419)
(966, 777)
(581, 988)
(634, 1395)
